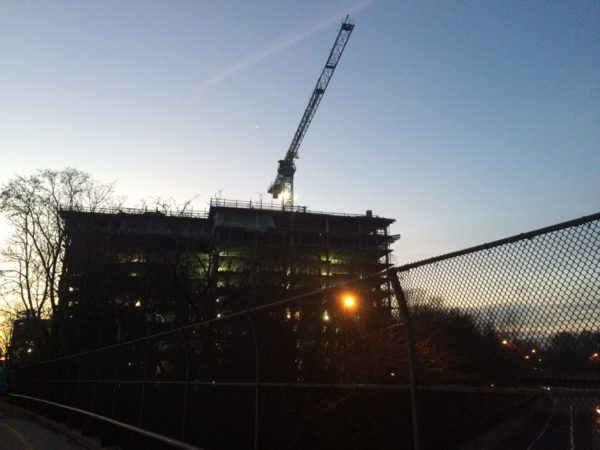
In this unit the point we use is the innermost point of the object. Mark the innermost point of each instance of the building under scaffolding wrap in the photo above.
(130, 273)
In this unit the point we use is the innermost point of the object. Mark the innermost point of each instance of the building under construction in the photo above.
(138, 272)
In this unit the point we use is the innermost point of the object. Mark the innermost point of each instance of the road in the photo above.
(17, 432)
(560, 423)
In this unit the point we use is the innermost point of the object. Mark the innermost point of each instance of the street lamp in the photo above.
(349, 302)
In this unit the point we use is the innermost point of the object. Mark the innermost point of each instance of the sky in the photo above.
(466, 121)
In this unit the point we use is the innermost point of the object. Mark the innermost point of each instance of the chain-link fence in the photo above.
(496, 324)
(492, 347)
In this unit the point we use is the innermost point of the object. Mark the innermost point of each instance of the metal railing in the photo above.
(275, 206)
(214, 202)
(465, 345)
(190, 213)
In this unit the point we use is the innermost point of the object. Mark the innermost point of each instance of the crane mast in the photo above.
(284, 182)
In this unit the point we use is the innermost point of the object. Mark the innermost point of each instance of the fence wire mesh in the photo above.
(507, 320)
(517, 313)
(506, 335)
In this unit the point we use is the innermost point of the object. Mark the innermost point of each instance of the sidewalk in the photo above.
(22, 430)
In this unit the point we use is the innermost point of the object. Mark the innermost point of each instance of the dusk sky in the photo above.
(467, 121)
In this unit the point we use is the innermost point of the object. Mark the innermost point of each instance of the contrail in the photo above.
(277, 45)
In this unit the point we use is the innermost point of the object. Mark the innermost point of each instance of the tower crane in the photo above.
(284, 182)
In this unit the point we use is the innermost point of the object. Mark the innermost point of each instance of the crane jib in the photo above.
(284, 182)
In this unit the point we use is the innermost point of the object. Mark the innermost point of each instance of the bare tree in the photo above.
(8, 313)
(169, 205)
(33, 256)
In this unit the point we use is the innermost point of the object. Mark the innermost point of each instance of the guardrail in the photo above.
(214, 202)
(137, 211)
(274, 206)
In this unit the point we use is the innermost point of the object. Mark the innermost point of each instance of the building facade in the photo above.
(139, 272)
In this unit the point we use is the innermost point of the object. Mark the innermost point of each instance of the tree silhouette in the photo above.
(33, 257)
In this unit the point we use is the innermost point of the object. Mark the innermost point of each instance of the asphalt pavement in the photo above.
(18, 432)
(561, 423)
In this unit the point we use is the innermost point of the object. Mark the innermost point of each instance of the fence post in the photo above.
(94, 377)
(186, 385)
(256, 377)
(144, 377)
(411, 354)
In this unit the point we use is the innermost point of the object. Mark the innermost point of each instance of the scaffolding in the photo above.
(143, 272)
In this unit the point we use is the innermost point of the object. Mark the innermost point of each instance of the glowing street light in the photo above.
(349, 302)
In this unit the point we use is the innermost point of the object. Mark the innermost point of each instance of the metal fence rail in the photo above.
(469, 349)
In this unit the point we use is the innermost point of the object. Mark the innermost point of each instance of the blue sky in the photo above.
(465, 121)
